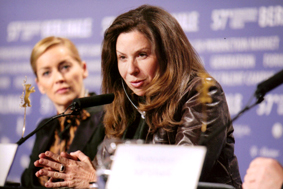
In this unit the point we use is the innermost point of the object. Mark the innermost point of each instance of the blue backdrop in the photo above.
(239, 42)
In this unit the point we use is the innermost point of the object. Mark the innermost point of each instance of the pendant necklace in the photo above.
(143, 113)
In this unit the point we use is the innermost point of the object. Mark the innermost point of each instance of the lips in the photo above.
(137, 84)
(63, 90)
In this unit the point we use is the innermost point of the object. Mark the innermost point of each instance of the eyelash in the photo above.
(45, 73)
(142, 54)
(62, 67)
(65, 67)
(121, 57)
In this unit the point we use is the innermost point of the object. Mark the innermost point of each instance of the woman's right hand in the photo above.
(264, 173)
(78, 169)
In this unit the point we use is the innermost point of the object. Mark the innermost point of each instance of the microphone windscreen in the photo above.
(96, 100)
(269, 84)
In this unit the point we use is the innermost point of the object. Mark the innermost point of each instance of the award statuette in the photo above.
(25, 100)
(9, 150)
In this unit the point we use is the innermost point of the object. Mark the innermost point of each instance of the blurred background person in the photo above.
(60, 73)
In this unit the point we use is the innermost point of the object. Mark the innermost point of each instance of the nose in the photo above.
(133, 68)
(58, 77)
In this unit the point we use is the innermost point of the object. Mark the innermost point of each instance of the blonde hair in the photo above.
(43, 45)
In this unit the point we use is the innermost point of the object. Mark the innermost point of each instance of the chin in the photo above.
(67, 100)
(139, 93)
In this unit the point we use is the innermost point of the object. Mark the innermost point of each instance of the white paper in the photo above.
(7, 152)
(156, 166)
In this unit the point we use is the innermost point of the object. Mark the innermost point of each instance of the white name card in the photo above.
(7, 154)
(140, 166)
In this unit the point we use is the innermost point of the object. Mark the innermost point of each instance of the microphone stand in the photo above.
(262, 88)
(203, 140)
(76, 107)
(75, 111)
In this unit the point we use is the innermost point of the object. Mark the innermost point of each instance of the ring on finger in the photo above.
(62, 168)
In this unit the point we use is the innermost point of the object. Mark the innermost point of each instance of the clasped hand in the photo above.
(77, 173)
(264, 173)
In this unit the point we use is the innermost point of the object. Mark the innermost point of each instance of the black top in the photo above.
(88, 136)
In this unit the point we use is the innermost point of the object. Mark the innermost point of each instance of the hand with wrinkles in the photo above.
(264, 173)
(79, 170)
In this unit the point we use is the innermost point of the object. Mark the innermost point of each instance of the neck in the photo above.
(62, 108)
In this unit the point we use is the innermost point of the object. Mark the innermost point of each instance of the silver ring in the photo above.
(62, 168)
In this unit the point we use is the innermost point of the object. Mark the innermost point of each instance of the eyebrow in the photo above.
(63, 62)
(60, 63)
(141, 49)
(44, 68)
(119, 52)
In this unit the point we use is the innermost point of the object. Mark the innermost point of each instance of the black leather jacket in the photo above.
(221, 165)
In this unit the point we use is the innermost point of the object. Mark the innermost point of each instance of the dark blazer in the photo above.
(88, 136)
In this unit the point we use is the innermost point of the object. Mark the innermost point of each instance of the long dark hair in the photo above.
(177, 62)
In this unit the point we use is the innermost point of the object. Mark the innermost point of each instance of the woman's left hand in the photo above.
(76, 169)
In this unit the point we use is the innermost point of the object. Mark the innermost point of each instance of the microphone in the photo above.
(269, 84)
(75, 106)
(97, 100)
(262, 88)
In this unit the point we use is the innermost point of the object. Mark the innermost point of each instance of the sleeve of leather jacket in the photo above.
(216, 115)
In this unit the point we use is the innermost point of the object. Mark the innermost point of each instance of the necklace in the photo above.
(143, 113)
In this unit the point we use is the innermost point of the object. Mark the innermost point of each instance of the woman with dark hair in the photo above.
(156, 76)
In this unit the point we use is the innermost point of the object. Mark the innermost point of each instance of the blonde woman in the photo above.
(59, 73)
